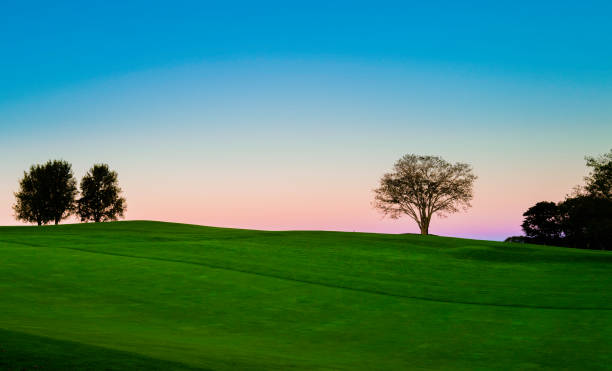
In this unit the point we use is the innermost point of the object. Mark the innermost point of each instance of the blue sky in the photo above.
(320, 98)
(48, 45)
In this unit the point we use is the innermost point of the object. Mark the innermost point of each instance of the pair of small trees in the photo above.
(47, 193)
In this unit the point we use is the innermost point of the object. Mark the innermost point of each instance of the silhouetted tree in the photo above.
(62, 189)
(542, 223)
(31, 198)
(100, 195)
(420, 186)
(599, 181)
(583, 220)
(586, 222)
(46, 193)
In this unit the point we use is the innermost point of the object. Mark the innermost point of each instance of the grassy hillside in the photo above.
(151, 295)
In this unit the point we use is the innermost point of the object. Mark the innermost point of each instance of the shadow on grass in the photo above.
(19, 351)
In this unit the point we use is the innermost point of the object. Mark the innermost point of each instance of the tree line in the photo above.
(48, 193)
(583, 220)
(419, 187)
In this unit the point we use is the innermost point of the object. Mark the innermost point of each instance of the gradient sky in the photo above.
(276, 116)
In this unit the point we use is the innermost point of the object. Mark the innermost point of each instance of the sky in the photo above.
(277, 115)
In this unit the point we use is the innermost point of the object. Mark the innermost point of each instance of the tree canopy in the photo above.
(542, 223)
(46, 193)
(421, 186)
(599, 181)
(100, 195)
(30, 199)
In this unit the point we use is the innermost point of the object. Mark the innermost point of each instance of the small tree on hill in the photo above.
(100, 195)
(420, 186)
(46, 193)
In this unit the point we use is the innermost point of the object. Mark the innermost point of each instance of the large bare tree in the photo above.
(420, 186)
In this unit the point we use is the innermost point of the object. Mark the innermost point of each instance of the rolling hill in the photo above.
(151, 295)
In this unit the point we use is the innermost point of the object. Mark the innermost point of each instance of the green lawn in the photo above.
(149, 295)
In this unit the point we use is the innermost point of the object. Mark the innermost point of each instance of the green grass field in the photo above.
(162, 296)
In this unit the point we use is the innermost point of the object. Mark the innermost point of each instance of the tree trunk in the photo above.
(424, 229)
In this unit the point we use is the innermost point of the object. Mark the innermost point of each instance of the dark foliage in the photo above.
(30, 199)
(542, 223)
(583, 222)
(586, 222)
(46, 193)
(100, 195)
(62, 190)
(599, 181)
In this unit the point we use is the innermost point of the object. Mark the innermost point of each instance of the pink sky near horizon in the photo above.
(301, 205)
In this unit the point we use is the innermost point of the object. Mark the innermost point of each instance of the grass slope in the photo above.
(149, 295)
